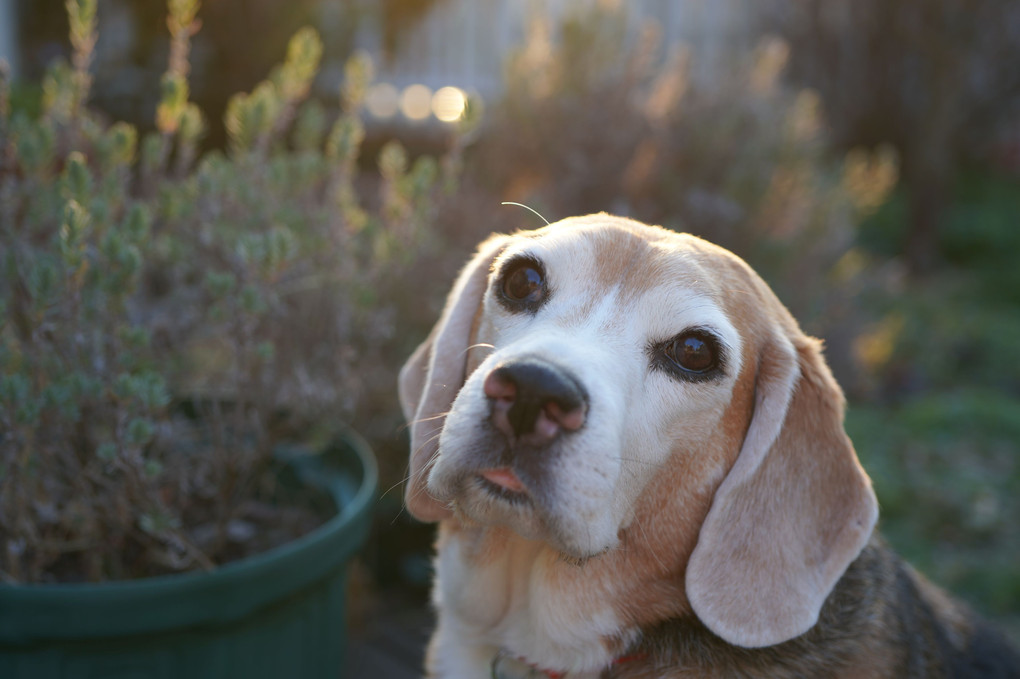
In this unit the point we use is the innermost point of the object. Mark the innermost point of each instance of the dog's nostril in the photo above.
(533, 398)
(499, 387)
(570, 420)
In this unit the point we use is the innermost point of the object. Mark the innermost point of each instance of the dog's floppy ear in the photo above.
(435, 372)
(794, 511)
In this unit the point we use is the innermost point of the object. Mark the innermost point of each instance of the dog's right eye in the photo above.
(523, 285)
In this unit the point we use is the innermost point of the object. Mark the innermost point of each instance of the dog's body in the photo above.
(639, 467)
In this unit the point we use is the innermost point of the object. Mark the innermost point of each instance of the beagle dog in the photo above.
(639, 469)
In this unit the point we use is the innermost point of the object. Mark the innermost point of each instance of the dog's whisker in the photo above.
(530, 209)
(426, 442)
(423, 489)
(396, 517)
(635, 460)
(393, 487)
(404, 481)
(740, 291)
(434, 457)
(650, 547)
(431, 418)
(407, 425)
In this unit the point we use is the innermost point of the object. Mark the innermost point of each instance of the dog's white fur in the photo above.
(668, 491)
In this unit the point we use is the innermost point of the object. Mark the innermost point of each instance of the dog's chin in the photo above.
(485, 503)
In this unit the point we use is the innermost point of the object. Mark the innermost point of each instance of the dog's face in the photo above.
(630, 337)
(573, 363)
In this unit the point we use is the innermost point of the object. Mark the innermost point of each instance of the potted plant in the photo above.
(170, 325)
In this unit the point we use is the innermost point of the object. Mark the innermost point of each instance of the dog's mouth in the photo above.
(504, 483)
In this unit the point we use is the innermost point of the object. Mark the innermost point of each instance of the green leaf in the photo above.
(252, 301)
(59, 92)
(158, 523)
(81, 15)
(220, 283)
(152, 151)
(153, 468)
(43, 282)
(84, 386)
(423, 175)
(28, 412)
(303, 54)
(358, 75)
(34, 145)
(181, 13)
(280, 247)
(119, 145)
(266, 350)
(192, 125)
(123, 387)
(76, 182)
(235, 119)
(154, 394)
(393, 161)
(14, 388)
(310, 127)
(106, 451)
(137, 222)
(73, 231)
(134, 336)
(344, 143)
(140, 431)
(173, 101)
(60, 396)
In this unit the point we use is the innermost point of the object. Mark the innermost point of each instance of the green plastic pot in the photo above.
(277, 615)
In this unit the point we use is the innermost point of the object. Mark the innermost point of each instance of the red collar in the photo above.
(505, 666)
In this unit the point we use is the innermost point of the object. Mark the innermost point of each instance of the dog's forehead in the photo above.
(610, 253)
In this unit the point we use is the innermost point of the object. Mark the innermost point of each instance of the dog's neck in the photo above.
(504, 594)
(524, 599)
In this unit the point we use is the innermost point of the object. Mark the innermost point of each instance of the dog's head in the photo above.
(573, 364)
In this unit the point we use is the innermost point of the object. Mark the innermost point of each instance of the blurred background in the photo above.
(862, 155)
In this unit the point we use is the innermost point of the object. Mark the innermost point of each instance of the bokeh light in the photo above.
(382, 100)
(448, 104)
(416, 102)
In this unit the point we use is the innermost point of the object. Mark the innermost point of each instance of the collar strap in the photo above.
(506, 666)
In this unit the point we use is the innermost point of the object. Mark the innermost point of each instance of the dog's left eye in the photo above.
(523, 285)
(691, 352)
(691, 355)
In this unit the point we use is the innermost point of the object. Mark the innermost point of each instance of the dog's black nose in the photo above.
(533, 400)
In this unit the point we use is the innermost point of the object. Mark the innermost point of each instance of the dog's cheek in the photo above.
(586, 507)
(591, 481)
(465, 426)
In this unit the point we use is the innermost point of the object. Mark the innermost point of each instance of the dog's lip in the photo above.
(505, 478)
